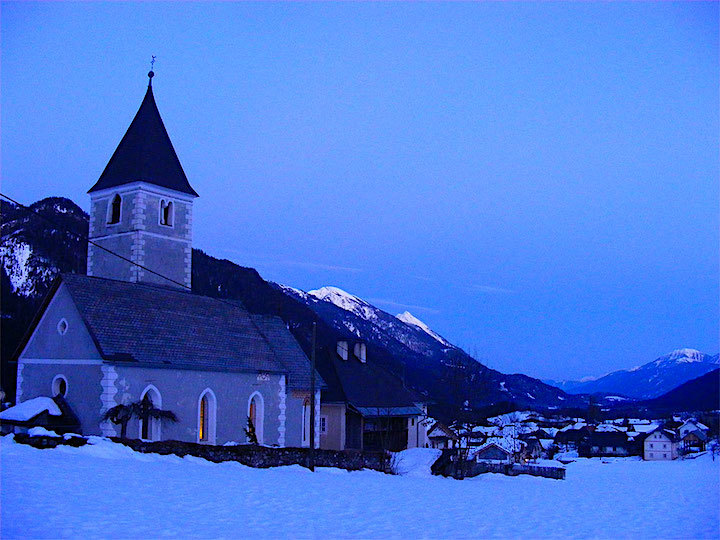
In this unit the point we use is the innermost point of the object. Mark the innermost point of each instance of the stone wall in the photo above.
(250, 455)
(264, 456)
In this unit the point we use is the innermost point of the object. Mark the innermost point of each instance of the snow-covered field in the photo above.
(108, 491)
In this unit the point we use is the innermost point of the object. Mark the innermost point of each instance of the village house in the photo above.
(132, 329)
(661, 445)
(441, 436)
(607, 443)
(693, 441)
(570, 437)
(363, 406)
(496, 449)
(692, 425)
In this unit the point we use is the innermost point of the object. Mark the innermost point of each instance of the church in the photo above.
(133, 329)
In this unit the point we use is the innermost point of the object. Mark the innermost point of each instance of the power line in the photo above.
(86, 238)
(229, 302)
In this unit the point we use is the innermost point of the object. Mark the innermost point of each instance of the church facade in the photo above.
(132, 328)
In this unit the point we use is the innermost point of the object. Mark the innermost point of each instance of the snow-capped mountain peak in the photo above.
(345, 300)
(409, 318)
(686, 355)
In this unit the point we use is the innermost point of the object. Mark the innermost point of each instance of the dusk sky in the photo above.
(537, 182)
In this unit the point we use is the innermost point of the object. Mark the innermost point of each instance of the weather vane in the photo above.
(151, 74)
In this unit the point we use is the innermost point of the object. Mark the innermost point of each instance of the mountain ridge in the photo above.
(649, 380)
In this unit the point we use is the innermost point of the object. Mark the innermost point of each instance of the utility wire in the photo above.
(86, 238)
(228, 301)
(224, 301)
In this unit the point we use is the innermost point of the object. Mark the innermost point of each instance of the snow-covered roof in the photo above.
(695, 423)
(27, 410)
(609, 427)
(576, 425)
(441, 430)
(546, 443)
(645, 428)
(507, 444)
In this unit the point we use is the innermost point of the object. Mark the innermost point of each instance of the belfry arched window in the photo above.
(114, 213)
(166, 213)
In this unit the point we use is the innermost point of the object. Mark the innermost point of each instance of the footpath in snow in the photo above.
(106, 490)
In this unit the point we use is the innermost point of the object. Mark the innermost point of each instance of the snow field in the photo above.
(106, 490)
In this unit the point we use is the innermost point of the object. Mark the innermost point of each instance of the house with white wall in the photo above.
(660, 445)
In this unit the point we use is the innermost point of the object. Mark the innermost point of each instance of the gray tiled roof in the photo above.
(288, 351)
(363, 385)
(160, 326)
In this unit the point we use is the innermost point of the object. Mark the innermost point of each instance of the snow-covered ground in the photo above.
(106, 490)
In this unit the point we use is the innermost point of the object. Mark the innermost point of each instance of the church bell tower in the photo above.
(141, 207)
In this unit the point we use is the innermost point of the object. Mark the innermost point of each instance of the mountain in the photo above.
(650, 380)
(34, 250)
(427, 361)
(699, 394)
(409, 318)
(34, 247)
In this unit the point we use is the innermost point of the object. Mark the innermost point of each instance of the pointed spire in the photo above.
(145, 153)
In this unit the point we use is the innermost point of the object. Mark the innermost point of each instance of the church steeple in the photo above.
(145, 153)
(141, 207)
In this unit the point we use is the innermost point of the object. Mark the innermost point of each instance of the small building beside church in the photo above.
(365, 407)
(132, 327)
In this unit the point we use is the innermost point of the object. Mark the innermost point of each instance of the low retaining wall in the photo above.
(514, 469)
(250, 455)
(264, 456)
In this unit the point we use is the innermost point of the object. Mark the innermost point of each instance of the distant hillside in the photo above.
(650, 380)
(33, 251)
(700, 394)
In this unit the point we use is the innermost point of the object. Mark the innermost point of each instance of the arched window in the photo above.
(114, 214)
(207, 407)
(166, 213)
(256, 414)
(59, 386)
(152, 429)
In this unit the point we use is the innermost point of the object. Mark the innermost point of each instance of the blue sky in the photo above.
(538, 182)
